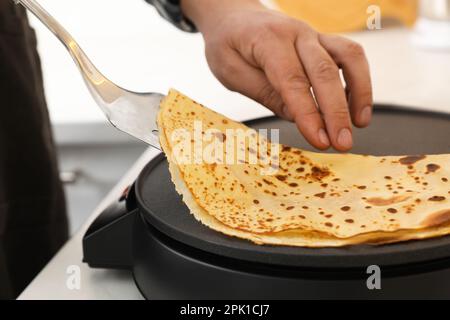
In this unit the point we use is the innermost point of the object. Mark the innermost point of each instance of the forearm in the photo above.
(203, 12)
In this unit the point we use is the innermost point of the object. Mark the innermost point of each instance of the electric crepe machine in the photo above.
(173, 256)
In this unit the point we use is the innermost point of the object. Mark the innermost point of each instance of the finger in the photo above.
(285, 72)
(328, 91)
(350, 57)
(239, 76)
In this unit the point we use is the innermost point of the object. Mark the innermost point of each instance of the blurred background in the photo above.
(134, 47)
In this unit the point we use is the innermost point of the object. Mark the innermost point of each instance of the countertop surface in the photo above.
(154, 55)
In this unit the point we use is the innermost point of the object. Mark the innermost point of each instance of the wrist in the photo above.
(203, 12)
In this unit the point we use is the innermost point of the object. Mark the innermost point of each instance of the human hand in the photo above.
(277, 60)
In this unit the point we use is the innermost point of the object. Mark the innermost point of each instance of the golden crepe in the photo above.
(299, 197)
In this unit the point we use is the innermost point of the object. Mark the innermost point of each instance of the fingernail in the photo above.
(366, 115)
(323, 137)
(345, 138)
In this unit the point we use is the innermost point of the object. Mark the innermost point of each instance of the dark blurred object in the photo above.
(171, 11)
(33, 223)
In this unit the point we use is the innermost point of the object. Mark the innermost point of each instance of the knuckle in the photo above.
(307, 33)
(262, 40)
(265, 33)
(354, 50)
(258, 50)
(294, 85)
(340, 114)
(271, 28)
(326, 70)
(281, 26)
(308, 114)
(270, 98)
(296, 81)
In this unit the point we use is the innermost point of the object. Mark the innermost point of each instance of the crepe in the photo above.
(299, 197)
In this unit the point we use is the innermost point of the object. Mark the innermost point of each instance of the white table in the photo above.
(402, 74)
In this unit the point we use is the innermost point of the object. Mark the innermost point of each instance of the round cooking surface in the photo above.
(394, 131)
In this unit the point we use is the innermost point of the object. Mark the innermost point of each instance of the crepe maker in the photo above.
(173, 256)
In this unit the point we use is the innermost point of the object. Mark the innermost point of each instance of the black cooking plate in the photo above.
(394, 131)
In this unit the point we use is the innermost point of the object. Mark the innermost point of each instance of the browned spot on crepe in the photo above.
(319, 173)
(436, 198)
(378, 201)
(320, 195)
(409, 160)
(431, 167)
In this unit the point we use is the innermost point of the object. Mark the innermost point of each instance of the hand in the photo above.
(277, 60)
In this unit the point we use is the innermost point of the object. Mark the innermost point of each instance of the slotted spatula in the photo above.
(131, 112)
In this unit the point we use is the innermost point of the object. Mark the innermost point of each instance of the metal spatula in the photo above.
(131, 112)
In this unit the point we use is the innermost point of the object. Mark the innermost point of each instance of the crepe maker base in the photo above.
(173, 256)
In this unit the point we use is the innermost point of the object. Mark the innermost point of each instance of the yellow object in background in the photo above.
(347, 15)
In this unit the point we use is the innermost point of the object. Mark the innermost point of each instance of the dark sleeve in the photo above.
(171, 11)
